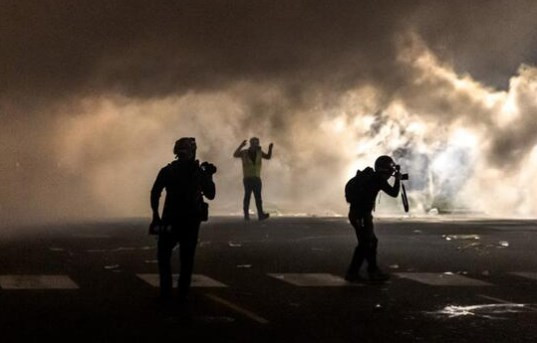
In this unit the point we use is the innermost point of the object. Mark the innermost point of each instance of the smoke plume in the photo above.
(94, 94)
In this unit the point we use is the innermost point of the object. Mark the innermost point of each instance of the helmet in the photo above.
(384, 164)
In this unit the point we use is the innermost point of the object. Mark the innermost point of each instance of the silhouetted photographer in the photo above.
(361, 192)
(186, 183)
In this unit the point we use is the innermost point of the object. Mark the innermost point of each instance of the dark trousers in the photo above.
(252, 184)
(367, 243)
(186, 234)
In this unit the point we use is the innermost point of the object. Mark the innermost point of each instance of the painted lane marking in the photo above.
(443, 279)
(198, 280)
(502, 301)
(313, 279)
(238, 309)
(527, 275)
(33, 282)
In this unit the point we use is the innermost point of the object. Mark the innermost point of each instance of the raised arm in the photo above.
(237, 152)
(269, 154)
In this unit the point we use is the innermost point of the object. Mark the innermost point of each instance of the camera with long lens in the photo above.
(397, 169)
(208, 168)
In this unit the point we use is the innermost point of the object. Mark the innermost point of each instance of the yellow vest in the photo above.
(250, 168)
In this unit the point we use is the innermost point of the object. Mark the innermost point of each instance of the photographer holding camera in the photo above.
(361, 192)
(186, 183)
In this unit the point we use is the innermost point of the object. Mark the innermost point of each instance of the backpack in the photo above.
(355, 187)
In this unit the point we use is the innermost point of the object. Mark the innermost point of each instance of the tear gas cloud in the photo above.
(93, 97)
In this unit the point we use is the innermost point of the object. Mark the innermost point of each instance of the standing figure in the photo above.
(186, 183)
(361, 192)
(251, 169)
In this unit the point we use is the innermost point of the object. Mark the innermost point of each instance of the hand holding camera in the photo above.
(208, 168)
(397, 173)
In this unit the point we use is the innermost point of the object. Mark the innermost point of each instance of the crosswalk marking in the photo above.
(527, 275)
(312, 279)
(443, 279)
(198, 280)
(51, 282)
(33, 282)
(239, 309)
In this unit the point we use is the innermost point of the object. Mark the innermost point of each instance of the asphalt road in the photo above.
(453, 280)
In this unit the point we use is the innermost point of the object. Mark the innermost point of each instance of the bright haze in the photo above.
(93, 94)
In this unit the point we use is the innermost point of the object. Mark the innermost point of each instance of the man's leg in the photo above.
(166, 242)
(257, 186)
(187, 247)
(247, 193)
(353, 273)
(371, 252)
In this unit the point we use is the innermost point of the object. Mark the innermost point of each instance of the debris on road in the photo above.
(460, 237)
(489, 311)
(56, 249)
(111, 267)
(244, 266)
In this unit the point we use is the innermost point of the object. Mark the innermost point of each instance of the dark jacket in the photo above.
(185, 185)
(361, 191)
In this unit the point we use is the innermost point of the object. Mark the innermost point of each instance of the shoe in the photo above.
(264, 216)
(246, 218)
(378, 276)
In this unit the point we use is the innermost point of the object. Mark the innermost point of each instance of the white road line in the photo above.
(312, 279)
(443, 279)
(527, 275)
(498, 300)
(238, 309)
(198, 280)
(501, 301)
(36, 282)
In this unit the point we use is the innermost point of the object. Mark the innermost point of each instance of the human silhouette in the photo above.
(186, 183)
(361, 192)
(251, 169)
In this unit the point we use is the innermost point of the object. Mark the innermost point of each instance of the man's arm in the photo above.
(206, 180)
(392, 191)
(207, 187)
(237, 152)
(269, 154)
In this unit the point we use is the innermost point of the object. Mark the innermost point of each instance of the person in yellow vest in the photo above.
(251, 169)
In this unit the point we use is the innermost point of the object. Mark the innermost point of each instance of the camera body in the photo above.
(208, 168)
(397, 169)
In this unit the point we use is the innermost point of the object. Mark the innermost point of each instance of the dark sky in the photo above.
(54, 49)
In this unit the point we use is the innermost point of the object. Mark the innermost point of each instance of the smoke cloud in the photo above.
(93, 95)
